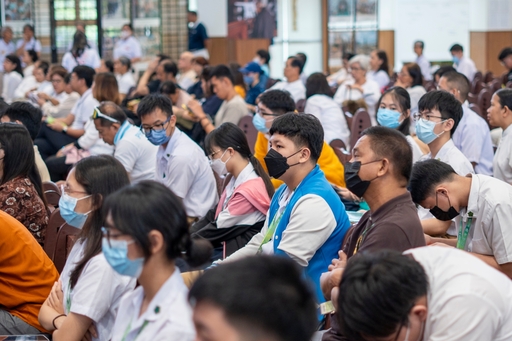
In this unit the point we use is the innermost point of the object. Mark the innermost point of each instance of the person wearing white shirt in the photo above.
(60, 103)
(463, 64)
(439, 116)
(80, 26)
(186, 76)
(128, 46)
(29, 41)
(29, 60)
(293, 84)
(342, 75)
(6, 45)
(123, 70)
(379, 68)
(361, 87)
(481, 203)
(422, 61)
(132, 148)
(89, 291)
(500, 115)
(148, 221)
(43, 86)
(428, 293)
(13, 75)
(411, 79)
(320, 104)
(303, 58)
(80, 54)
(472, 136)
(29, 83)
(181, 164)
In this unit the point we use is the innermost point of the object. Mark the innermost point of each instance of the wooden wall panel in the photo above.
(218, 49)
(478, 51)
(386, 42)
(496, 41)
(241, 51)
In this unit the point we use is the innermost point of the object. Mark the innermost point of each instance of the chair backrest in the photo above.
(472, 98)
(300, 105)
(478, 76)
(339, 146)
(271, 82)
(66, 238)
(348, 116)
(477, 86)
(494, 85)
(50, 239)
(477, 109)
(488, 77)
(430, 86)
(484, 100)
(249, 129)
(360, 122)
(509, 85)
(52, 193)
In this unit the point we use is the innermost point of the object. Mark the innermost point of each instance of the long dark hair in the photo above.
(404, 101)
(382, 55)
(148, 205)
(100, 176)
(15, 60)
(415, 73)
(19, 159)
(79, 44)
(317, 85)
(230, 135)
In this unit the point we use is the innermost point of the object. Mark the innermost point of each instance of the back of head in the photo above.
(79, 43)
(459, 82)
(109, 65)
(415, 73)
(168, 88)
(222, 71)
(152, 102)
(113, 110)
(125, 61)
(13, 58)
(106, 88)
(279, 101)
(426, 175)
(507, 51)
(302, 56)
(86, 73)
(445, 103)
(363, 60)
(456, 48)
(385, 63)
(170, 67)
(392, 145)
(33, 55)
(238, 76)
(376, 294)
(138, 209)
(444, 69)
(19, 158)
(27, 114)
(264, 55)
(317, 85)
(505, 97)
(58, 70)
(280, 307)
(296, 62)
(45, 66)
(304, 130)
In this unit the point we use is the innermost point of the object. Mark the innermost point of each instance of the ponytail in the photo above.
(258, 168)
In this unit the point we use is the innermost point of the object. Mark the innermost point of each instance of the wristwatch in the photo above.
(65, 129)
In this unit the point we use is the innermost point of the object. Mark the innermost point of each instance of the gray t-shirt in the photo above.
(231, 111)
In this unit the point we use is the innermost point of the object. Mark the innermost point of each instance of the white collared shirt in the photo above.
(183, 167)
(89, 58)
(371, 95)
(424, 65)
(417, 154)
(467, 67)
(168, 316)
(32, 44)
(11, 82)
(296, 89)
(84, 109)
(415, 92)
(98, 291)
(135, 152)
(187, 79)
(5, 49)
(381, 77)
(129, 48)
(473, 139)
(92, 142)
(502, 163)
(125, 82)
(27, 84)
(467, 299)
(330, 116)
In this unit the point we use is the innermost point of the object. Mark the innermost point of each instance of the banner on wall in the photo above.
(252, 19)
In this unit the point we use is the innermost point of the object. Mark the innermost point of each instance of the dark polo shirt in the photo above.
(394, 226)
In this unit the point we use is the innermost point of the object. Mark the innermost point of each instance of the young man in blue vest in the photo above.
(306, 220)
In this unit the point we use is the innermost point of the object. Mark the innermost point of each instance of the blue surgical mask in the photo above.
(425, 130)
(158, 137)
(116, 254)
(456, 60)
(388, 118)
(248, 80)
(67, 207)
(260, 123)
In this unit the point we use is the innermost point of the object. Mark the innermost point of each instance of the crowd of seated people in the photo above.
(212, 202)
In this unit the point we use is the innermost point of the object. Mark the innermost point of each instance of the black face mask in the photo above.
(352, 179)
(277, 164)
(443, 215)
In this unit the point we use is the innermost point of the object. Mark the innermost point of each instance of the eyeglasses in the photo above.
(109, 235)
(350, 69)
(155, 127)
(426, 116)
(261, 113)
(210, 156)
(67, 190)
(98, 114)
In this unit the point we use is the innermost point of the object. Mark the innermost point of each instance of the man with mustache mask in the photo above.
(378, 172)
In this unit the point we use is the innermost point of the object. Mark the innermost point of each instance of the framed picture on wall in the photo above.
(16, 10)
(252, 19)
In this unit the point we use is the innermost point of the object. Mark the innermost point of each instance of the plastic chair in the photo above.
(360, 122)
(494, 85)
(430, 86)
(472, 98)
(477, 86)
(479, 76)
(484, 100)
(52, 193)
(300, 105)
(50, 240)
(488, 77)
(339, 147)
(250, 131)
(66, 238)
(271, 82)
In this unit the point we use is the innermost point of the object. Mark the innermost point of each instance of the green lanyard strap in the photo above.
(463, 236)
(127, 330)
(270, 232)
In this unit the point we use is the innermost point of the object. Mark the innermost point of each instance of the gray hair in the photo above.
(6, 28)
(125, 61)
(362, 59)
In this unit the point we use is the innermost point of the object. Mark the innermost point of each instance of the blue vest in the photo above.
(314, 183)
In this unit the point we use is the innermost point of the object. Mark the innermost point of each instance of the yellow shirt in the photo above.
(240, 90)
(328, 162)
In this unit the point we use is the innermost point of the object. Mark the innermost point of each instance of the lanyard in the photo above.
(68, 299)
(127, 330)
(463, 236)
(122, 130)
(362, 236)
(270, 231)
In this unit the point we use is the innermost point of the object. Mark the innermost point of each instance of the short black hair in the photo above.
(192, 12)
(505, 97)
(426, 175)
(507, 51)
(222, 71)
(447, 105)
(45, 66)
(27, 114)
(297, 63)
(304, 130)
(420, 43)
(170, 67)
(444, 69)
(404, 100)
(112, 110)
(33, 55)
(263, 54)
(456, 48)
(460, 82)
(317, 85)
(279, 101)
(152, 102)
(30, 27)
(109, 64)
(348, 55)
(302, 56)
(281, 304)
(129, 25)
(168, 88)
(415, 73)
(377, 292)
(392, 145)
(86, 73)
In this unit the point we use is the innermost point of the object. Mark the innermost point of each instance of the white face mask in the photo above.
(124, 34)
(219, 166)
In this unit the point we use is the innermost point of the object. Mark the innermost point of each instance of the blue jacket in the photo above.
(314, 183)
